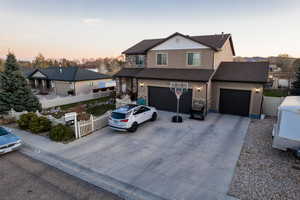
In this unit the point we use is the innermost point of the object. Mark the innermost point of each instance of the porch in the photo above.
(42, 86)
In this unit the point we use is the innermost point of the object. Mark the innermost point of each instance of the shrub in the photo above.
(61, 132)
(25, 120)
(39, 125)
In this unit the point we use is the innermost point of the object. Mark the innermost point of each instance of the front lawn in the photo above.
(276, 92)
(100, 109)
(93, 101)
(95, 107)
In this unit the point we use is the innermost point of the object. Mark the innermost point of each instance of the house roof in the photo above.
(128, 72)
(202, 75)
(69, 74)
(26, 71)
(213, 41)
(252, 72)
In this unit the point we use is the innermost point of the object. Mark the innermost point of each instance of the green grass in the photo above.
(275, 92)
(68, 106)
(101, 109)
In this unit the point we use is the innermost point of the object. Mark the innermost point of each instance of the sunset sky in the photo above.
(89, 28)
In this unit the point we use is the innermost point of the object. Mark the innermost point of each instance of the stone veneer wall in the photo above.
(130, 61)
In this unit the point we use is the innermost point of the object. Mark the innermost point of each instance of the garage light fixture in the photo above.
(199, 89)
(257, 90)
(142, 84)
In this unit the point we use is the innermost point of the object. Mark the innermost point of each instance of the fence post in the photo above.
(77, 128)
(92, 119)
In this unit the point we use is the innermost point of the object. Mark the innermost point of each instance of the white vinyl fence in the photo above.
(94, 123)
(271, 104)
(59, 101)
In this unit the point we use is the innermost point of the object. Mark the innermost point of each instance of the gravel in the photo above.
(263, 172)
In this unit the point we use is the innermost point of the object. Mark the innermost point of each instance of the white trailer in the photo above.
(286, 132)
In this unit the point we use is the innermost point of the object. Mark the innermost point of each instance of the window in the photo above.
(3, 132)
(161, 59)
(117, 115)
(193, 59)
(139, 60)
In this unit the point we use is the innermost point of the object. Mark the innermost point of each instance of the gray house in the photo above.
(68, 81)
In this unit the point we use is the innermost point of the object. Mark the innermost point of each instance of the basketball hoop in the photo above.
(178, 88)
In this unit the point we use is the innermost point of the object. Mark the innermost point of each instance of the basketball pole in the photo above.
(178, 99)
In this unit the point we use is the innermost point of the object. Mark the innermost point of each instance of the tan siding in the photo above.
(256, 98)
(62, 87)
(178, 58)
(224, 55)
(85, 87)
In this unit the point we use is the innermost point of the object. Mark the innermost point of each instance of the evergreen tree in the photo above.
(296, 83)
(14, 91)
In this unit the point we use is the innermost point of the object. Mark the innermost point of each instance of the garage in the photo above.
(163, 99)
(234, 102)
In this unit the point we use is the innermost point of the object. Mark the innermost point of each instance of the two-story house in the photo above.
(205, 63)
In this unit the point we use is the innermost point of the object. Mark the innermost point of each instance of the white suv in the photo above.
(129, 117)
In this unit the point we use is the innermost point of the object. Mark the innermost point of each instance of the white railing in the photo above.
(94, 123)
(59, 101)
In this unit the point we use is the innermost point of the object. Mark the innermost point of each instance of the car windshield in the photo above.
(3, 131)
(117, 115)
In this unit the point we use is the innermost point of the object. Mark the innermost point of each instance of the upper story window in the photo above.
(194, 59)
(162, 59)
(140, 60)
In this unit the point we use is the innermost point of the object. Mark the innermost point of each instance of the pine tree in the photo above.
(296, 83)
(14, 91)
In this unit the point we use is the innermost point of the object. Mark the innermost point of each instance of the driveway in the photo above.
(190, 160)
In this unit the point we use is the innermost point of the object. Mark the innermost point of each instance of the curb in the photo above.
(119, 188)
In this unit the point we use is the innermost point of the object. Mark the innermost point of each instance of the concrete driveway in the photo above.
(192, 160)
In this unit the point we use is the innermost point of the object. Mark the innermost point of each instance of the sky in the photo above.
(77, 29)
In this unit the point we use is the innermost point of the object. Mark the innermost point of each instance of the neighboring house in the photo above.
(205, 62)
(68, 80)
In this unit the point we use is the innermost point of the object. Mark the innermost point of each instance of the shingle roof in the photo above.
(70, 74)
(128, 72)
(26, 71)
(202, 75)
(214, 41)
(252, 72)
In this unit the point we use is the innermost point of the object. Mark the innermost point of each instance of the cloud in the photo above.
(92, 21)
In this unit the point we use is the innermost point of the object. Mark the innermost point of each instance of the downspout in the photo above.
(213, 61)
(261, 105)
(206, 99)
(137, 87)
(74, 88)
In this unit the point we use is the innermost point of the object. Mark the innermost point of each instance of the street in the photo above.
(23, 178)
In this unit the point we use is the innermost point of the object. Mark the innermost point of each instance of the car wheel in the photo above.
(154, 116)
(134, 127)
